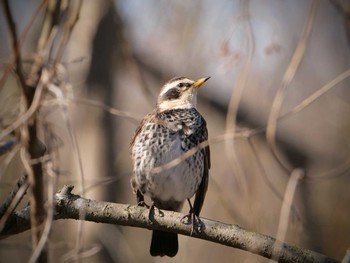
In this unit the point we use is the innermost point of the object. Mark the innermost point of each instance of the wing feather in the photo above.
(203, 187)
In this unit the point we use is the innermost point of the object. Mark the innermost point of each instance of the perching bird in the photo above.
(170, 130)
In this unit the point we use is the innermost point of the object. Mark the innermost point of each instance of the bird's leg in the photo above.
(152, 210)
(141, 200)
(194, 219)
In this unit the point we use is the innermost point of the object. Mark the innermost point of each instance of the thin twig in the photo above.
(73, 8)
(50, 213)
(307, 102)
(286, 208)
(28, 137)
(9, 66)
(14, 203)
(15, 44)
(74, 142)
(6, 204)
(202, 145)
(8, 159)
(287, 79)
(263, 172)
(135, 118)
(317, 94)
(29, 113)
(45, 41)
(236, 99)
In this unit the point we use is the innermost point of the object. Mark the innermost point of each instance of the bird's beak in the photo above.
(200, 82)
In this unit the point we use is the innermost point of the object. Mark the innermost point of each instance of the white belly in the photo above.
(176, 183)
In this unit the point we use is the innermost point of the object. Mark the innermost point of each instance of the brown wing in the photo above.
(134, 185)
(202, 189)
(147, 118)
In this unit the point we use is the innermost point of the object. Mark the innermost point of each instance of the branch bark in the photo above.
(70, 206)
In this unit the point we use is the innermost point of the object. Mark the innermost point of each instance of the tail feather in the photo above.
(164, 244)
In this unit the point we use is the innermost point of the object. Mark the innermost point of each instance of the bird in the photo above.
(174, 127)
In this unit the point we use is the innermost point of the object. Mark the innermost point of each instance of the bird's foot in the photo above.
(141, 200)
(143, 204)
(152, 210)
(192, 218)
(151, 213)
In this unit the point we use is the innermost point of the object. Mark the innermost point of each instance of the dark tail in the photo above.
(164, 244)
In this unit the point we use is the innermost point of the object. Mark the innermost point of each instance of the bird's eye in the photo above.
(188, 85)
(180, 85)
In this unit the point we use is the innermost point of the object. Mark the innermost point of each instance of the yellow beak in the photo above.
(200, 82)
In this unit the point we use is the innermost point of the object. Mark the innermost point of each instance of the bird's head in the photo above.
(179, 93)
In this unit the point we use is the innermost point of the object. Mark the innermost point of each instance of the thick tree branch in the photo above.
(70, 206)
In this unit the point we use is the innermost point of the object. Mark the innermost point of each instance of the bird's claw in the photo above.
(152, 209)
(192, 218)
(151, 213)
(143, 204)
(140, 199)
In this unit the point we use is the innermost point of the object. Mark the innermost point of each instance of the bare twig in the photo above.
(68, 206)
(133, 117)
(47, 34)
(33, 87)
(12, 201)
(31, 146)
(20, 41)
(307, 102)
(74, 142)
(202, 145)
(15, 44)
(286, 208)
(317, 94)
(29, 113)
(50, 213)
(13, 204)
(236, 99)
(287, 78)
(6, 204)
(72, 10)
